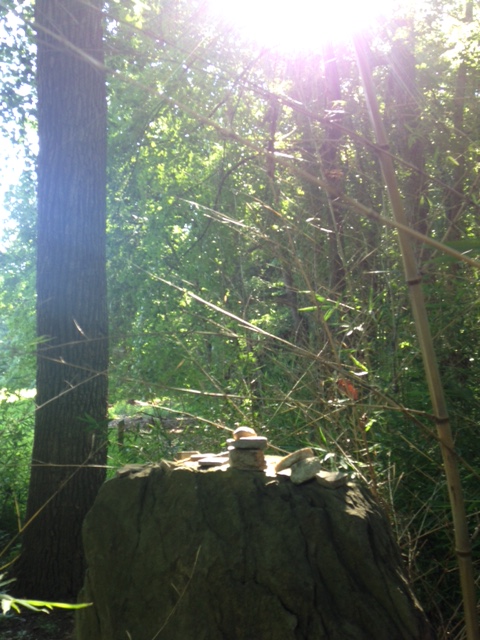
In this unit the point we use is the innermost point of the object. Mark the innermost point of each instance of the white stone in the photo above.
(305, 469)
(243, 432)
(294, 457)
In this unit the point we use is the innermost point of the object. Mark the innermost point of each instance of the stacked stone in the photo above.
(246, 450)
(304, 466)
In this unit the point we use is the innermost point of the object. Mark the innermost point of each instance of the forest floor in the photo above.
(57, 625)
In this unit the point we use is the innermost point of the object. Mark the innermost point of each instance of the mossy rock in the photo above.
(181, 554)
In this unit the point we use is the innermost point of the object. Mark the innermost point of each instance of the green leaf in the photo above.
(465, 244)
(452, 160)
(358, 364)
(328, 313)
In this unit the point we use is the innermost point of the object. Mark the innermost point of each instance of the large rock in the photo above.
(181, 554)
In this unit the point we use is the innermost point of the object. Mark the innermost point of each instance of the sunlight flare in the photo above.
(300, 25)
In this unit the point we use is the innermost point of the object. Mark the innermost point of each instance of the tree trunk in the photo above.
(70, 428)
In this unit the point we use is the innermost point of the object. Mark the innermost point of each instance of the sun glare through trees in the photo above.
(299, 26)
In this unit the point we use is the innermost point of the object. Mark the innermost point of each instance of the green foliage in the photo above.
(149, 433)
(17, 290)
(241, 276)
(17, 63)
(16, 438)
(40, 606)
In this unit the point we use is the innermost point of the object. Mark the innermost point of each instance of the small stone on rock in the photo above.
(199, 456)
(212, 461)
(251, 442)
(305, 470)
(294, 457)
(332, 479)
(186, 455)
(247, 459)
(128, 469)
(243, 432)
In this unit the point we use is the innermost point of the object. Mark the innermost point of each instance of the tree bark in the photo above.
(70, 427)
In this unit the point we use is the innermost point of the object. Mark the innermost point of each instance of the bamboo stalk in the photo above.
(413, 279)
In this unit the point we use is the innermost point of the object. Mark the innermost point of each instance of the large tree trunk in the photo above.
(70, 426)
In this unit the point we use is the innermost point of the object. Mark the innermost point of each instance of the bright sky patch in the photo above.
(299, 25)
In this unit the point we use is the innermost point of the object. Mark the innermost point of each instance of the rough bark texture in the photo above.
(179, 554)
(70, 424)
